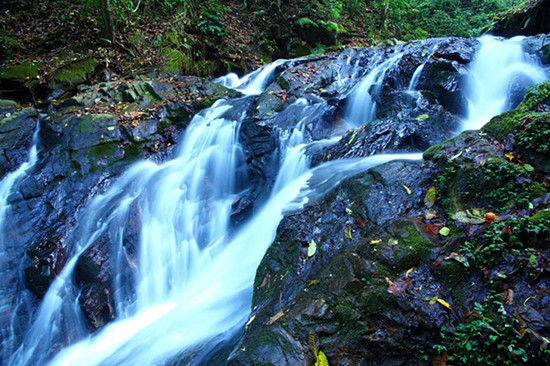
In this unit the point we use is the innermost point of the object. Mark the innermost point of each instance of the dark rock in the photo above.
(16, 131)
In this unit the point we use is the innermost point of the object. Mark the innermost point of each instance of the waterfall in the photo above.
(190, 288)
(499, 70)
(10, 256)
(361, 108)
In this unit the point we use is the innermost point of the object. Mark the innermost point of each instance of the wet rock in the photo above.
(16, 131)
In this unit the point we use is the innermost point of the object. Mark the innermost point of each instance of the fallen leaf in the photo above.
(428, 215)
(442, 302)
(468, 218)
(406, 189)
(399, 286)
(422, 117)
(459, 258)
(312, 248)
(409, 272)
(429, 199)
(348, 233)
(360, 223)
(250, 320)
(444, 231)
(490, 217)
(321, 359)
(509, 156)
(433, 228)
(375, 241)
(275, 317)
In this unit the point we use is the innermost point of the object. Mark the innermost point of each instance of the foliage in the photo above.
(489, 336)
(515, 236)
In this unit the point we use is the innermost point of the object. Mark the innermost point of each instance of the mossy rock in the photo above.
(175, 61)
(508, 122)
(23, 72)
(73, 74)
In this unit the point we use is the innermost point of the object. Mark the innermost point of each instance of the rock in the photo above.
(72, 74)
(16, 131)
(19, 82)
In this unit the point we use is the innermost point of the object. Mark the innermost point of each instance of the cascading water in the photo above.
(253, 83)
(190, 288)
(499, 69)
(418, 71)
(361, 108)
(8, 259)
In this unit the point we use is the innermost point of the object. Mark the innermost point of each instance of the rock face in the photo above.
(379, 252)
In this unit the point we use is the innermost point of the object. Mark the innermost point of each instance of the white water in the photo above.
(252, 83)
(496, 67)
(416, 77)
(192, 284)
(361, 108)
(7, 258)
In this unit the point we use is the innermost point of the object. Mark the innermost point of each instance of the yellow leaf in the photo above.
(375, 241)
(275, 317)
(406, 189)
(409, 272)
(250, 320)
(509, 156)
(442, 302)
(321, 359)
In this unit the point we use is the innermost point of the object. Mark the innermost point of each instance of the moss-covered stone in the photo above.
(21, 72)
(73, 74)
(508, 122)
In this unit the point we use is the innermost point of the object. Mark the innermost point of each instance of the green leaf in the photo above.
(348, 233)
(528, 167)
(312, 248)
(422, 117)
(444, 231)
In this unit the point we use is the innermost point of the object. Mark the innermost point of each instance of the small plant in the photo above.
(490, 336)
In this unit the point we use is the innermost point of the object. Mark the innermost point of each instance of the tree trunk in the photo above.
(108, 24)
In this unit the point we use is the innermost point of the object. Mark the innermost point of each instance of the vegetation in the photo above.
(213, 36)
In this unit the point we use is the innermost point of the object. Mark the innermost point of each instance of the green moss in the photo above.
(73, 74)
(103, 151)
(416, 248)
(506, 123)
(283, 83)
(95, 122)
(174, 60)
(465, 185)
(432, 151)
(306, 22)
(377, 300)
(22, 72)
(500, 126)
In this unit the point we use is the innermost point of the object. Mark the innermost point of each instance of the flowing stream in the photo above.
(8, 261)
(190, 290)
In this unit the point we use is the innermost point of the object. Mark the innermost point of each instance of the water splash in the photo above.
(499, 70)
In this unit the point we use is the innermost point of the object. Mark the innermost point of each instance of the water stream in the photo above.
(191, 287)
